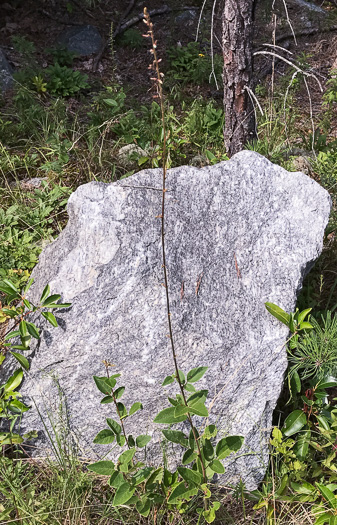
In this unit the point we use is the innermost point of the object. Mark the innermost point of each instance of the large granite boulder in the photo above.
(245, 230)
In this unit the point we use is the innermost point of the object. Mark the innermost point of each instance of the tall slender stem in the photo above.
(159, 86)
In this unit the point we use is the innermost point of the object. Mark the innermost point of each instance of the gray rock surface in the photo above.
(6, 78)
(82, 40)
(107, 262)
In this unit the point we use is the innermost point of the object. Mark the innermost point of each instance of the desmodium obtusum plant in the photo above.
(14, 318)
(148, 488)
(136, 484)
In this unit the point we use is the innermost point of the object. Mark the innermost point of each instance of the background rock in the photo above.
(107, 262)
(128, 156)
(310, 6)
(82, 40)
(6, 79)
(199, 161)
(304, 164)
(187, 17)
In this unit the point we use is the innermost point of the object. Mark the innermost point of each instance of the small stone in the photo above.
(303, 164)
(199, 161)
(82, 40)
(32, 184)
(128, 156)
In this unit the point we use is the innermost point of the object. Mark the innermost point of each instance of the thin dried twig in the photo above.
(198, 284)
(289, 21)
(182, 291)
(212, 73)
(254, 99)
(199, 21)
(311, 117)
(273, 69)
(238, 273)
(278, 47)
(292, 64)
(142, 188)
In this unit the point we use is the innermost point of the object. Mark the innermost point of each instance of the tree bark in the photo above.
(237, 42)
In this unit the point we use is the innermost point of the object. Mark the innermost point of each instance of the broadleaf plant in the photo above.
(147, 488)
(17, 335)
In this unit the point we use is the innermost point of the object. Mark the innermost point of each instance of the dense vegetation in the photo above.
(66, 127)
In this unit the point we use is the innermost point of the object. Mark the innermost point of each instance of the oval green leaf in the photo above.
(105, 437)
(142, 440)
(294, 423)
(115, 427)
(50, 318)
(191, 476)
(135, 407)
(167, 416)
(176, 436)
(277, 312)
(22, 360)
(103, 468)
(196, 373)
(123, 494)
(228, 445)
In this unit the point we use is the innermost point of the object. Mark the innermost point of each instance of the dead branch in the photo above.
(121, 27)
(306, 32)
(83, 8)
(292, 64)
(126, 13)
(59, 20)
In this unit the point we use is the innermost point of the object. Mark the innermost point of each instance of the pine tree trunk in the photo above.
(237, 33)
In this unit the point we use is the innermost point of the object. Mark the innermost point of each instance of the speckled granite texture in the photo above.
(107, 262)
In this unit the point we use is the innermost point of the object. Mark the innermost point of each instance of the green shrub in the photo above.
(326, 166)
(147, 488)
(62, 55)
(131, 38)
(26, 227)
(17, 335)
(191, 64)
(63, 81)
(206, 121)
(330, 96)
